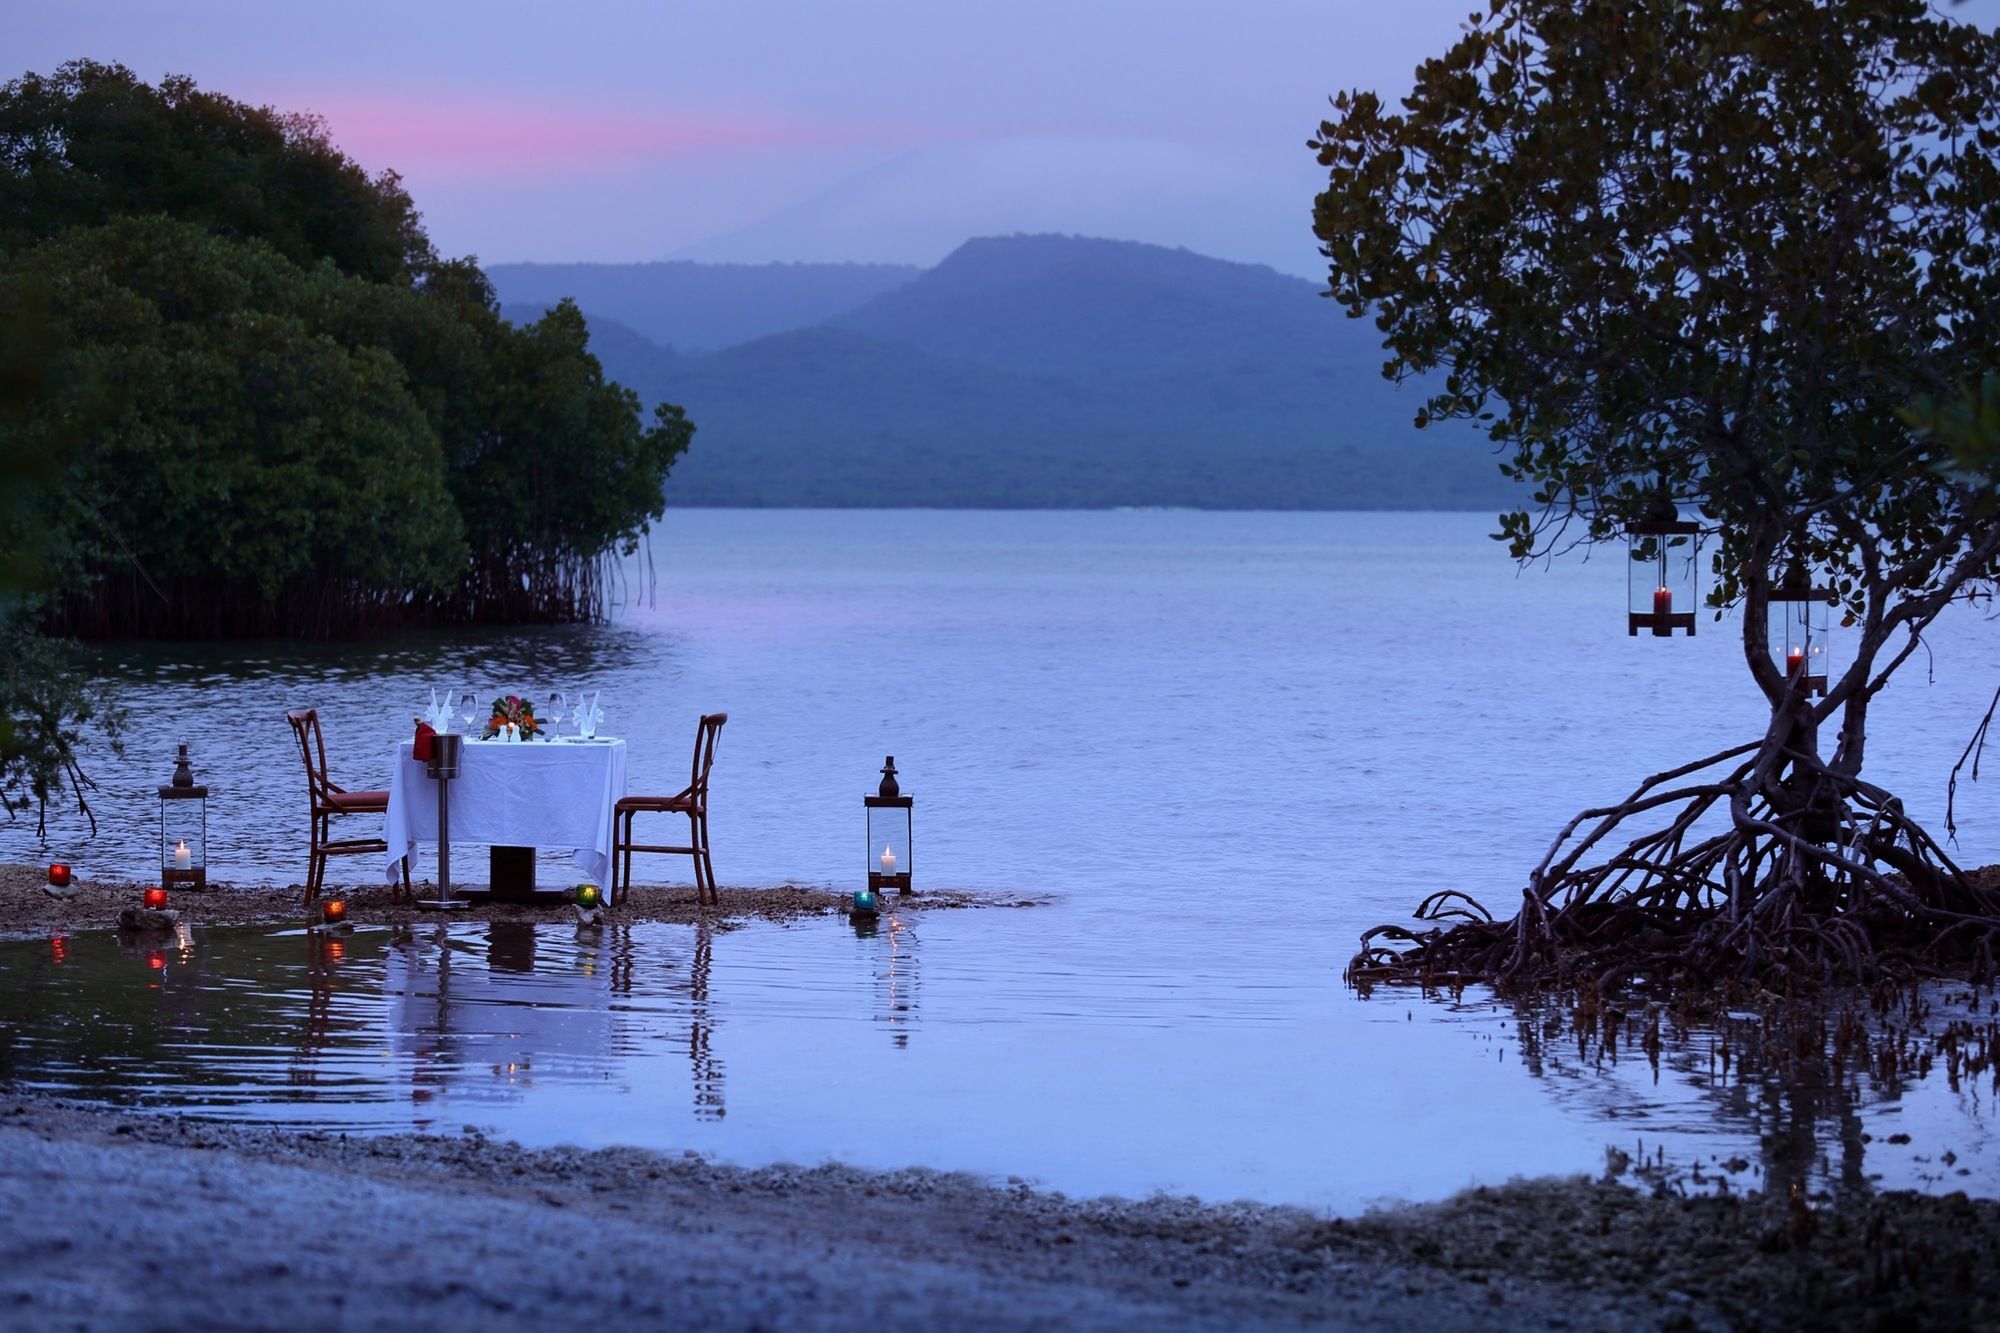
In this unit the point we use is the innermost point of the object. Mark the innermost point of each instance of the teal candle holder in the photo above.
(864, 903)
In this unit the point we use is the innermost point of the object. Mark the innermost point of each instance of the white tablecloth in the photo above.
(554, 795)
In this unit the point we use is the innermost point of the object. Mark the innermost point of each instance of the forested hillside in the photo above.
(1055, 371)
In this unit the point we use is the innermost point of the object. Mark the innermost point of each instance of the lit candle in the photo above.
(888, 860)
(156, 900)
(1795, 662)
(588, 896)
(182, 859)
(1663, 601)
(334, 912)
(59, 875)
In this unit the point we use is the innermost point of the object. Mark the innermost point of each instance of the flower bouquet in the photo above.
(513, 719)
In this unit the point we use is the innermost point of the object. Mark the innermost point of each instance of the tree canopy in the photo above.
(1715, 249)
(92, 142)
(309, 422)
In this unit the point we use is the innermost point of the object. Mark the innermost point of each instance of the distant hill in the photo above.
(694, 307)
(1051, 371)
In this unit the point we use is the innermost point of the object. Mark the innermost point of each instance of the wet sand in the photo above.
(27, 910)
(114, 1220)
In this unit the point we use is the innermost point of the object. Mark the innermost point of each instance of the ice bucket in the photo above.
(445, 748)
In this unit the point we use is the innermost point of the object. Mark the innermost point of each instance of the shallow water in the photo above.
(1215, 746)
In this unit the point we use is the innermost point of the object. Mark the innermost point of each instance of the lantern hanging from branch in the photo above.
(1660, 577)
(184, 828)
(1799, 625)
(889, 818)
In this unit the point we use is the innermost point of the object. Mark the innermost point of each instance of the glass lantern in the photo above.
(1660, 577)
(184, 828)
(889, 814)
(1799, 627)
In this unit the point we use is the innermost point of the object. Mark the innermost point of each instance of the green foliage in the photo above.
(304, 413)
(246, 441)
(91, 142)
(1716, 243)
(51, 704)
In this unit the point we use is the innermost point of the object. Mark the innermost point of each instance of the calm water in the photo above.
(1214, 746)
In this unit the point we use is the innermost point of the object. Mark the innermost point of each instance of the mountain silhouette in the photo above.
(1056, 372)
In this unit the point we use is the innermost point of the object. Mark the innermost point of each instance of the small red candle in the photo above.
(156, 899)
(334, 912)
(59, 875)
(1663, 601)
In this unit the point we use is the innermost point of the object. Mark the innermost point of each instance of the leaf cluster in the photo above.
(1713, 246)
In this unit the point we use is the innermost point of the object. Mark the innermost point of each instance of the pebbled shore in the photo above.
(26, 910)
(115, 1220)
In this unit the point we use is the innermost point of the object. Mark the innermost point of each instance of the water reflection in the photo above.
(1789, 1097)
(768, 1043)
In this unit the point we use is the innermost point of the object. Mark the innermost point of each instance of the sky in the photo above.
(751, 130)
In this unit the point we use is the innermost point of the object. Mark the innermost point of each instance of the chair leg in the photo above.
(409, 894)
(707, 861)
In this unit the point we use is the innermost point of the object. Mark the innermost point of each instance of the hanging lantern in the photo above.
(1660, 576)
(889, 813)
(184, 828)
(1799, 628)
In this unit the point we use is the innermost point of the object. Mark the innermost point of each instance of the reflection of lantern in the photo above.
(155, 900)
(1660, 576)
(1799, 628)
(184, 828)
(889, 814)
(59, 875)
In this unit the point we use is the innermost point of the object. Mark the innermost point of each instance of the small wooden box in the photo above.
(513, 872)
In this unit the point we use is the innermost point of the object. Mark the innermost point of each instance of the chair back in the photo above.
(312, 749)
(704, 756)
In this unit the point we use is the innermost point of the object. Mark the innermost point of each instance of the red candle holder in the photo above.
(156, 900)
(333, 911)
(59, 875)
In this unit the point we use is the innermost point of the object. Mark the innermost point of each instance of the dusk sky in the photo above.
(750, 130)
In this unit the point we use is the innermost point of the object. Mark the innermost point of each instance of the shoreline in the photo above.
(119, 1219)
(27, 911)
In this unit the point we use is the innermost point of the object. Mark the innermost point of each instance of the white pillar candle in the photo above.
(182, 859)
(888, 860)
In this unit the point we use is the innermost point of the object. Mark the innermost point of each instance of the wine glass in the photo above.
(557, 704)
(468, 708)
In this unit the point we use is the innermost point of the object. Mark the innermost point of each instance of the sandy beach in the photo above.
(116, 1220)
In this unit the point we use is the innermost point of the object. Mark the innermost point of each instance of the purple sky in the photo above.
(815, 129)
(737, 129)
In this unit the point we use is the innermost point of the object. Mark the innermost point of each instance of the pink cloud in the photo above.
(472, 138)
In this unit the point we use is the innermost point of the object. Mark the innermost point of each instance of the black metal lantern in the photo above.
(1799, 628)
(184, 828)
(889, 814)
(1660, 577)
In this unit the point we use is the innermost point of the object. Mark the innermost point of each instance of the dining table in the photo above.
(551, 795)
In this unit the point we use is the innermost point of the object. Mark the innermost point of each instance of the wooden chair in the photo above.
(329, 800)
(692, 802)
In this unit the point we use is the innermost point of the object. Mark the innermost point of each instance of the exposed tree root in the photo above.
(1818, 878)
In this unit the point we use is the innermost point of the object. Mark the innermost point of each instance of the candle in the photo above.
(182, 859)
(334, 912)
(1663, 601)
(864, 901)
(588, 896)
(888, 860)
(59, 875)
(156, 899)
